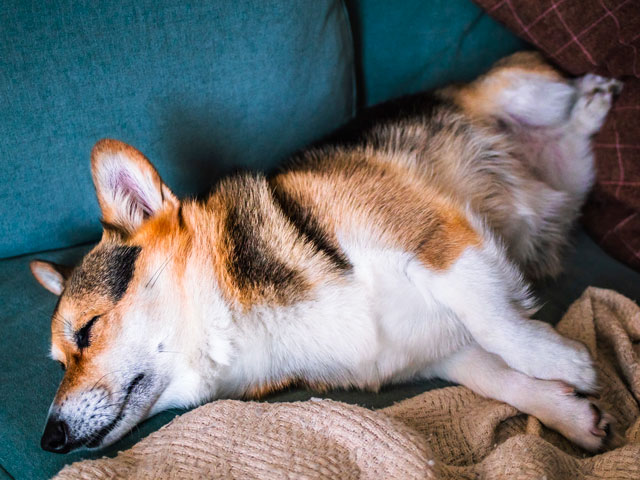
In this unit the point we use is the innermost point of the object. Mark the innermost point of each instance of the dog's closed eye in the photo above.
(83, 336)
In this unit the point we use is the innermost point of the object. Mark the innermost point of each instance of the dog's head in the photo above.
(115, 329)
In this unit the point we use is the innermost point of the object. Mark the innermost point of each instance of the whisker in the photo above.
(154, 278)
(105, 407)
(100, 379)
(105, 396)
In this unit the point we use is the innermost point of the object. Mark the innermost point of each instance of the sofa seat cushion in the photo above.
(28, 379)
(200, 87)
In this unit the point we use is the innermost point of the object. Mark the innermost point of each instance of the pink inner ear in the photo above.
(123, 182)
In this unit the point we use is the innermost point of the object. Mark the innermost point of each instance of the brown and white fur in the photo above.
(396, 249)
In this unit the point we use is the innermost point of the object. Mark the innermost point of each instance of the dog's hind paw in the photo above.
(595, 96)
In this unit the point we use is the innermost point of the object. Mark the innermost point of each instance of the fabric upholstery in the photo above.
(598, 36)
(417, 45)
(28, 379)
(201, 88)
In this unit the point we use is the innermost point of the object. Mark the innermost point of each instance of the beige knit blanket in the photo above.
(449, 433)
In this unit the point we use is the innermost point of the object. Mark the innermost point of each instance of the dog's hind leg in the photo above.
(551, 118)
(566, 160)
(595, 95)
(548, 121)
(521, 89)
(554, 403)
(561, 153)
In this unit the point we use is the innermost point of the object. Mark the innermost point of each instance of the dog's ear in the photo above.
(128, 187)
(50, 275)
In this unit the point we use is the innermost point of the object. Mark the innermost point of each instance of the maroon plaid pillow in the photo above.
(602, 37)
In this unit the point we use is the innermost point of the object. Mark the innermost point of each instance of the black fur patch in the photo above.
(106, 271)
(304, 221)
(252, 264)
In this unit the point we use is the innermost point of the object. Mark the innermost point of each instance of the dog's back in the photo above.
(513, 147)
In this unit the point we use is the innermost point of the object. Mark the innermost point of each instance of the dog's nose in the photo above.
(55, 437)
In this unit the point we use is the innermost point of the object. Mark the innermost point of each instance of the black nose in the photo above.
(55, 437)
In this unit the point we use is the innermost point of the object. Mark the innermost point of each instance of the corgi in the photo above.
(400, 247)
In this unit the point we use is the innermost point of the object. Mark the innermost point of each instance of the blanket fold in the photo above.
(450, 433)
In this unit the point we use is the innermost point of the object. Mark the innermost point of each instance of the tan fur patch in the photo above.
(258, 392)
(359, 194)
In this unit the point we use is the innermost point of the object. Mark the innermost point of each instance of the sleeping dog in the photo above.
(399, 248)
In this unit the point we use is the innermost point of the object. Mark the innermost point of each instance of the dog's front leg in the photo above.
(530, 346)
(554, 403)
(490, 301)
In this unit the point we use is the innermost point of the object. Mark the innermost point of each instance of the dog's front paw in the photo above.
(576, 368)
(579, 418)
(560, 358)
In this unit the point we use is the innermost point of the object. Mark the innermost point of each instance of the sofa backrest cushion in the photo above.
(407, 46)
(201, 88)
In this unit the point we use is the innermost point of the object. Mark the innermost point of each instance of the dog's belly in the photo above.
(413, 328)
(383, 324)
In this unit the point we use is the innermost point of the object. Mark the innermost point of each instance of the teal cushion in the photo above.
(416, 45)
(28, 379)
(200, 87)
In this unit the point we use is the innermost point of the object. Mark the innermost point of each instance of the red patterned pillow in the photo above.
(603, 37)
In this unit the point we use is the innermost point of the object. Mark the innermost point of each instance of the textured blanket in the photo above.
(602, 37)
(449, 433)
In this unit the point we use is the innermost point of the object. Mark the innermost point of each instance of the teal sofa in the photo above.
(202, 88)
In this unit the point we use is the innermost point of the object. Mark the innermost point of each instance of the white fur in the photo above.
(535, 100)
(392, 320)
(553, 402)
